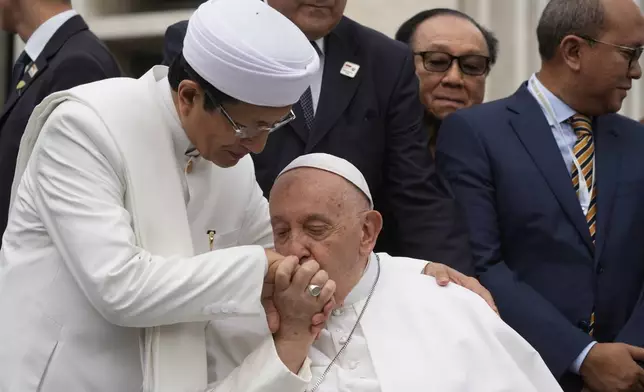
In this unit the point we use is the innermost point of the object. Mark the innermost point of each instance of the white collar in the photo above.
(179, 137)
(320, 43)
(39, 39)
(562, 111)
(361, 290)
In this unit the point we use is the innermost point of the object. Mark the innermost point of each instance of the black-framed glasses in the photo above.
(633, 53)
(469, 64)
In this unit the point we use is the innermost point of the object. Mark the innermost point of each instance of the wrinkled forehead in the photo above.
(449, 33)
(304, 191)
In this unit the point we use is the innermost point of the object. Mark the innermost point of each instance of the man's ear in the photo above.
(371, 227)
(187, 95)
(571, 47)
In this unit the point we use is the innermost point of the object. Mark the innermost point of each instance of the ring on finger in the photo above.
(314, 290)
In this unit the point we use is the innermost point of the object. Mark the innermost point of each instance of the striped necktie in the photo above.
(584, 151)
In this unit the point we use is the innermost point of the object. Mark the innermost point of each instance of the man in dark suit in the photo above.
(60, 53)
(551, 180)
(365, 108)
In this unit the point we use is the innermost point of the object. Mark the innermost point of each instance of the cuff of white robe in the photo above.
(576, 366)
(290, 381)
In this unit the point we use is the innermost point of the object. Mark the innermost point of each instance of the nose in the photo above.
(296, 246)
(256, 144)
(453, 75)
(635, 72)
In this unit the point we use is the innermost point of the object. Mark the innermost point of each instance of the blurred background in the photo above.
(133, 30)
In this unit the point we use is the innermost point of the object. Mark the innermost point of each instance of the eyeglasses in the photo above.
(245, 132)
(242, 131)
(633, 53)
(469, 64)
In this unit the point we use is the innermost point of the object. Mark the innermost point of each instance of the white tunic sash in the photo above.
(174, 357)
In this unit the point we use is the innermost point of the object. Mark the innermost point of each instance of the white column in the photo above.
(387, 15)
(484, 16)
(521, 19)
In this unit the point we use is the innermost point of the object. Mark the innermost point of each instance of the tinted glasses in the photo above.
(469, 64)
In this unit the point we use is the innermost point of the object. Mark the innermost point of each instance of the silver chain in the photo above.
(344, 346)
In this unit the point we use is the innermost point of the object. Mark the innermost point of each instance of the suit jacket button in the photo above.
(600, 270)
(584, 325)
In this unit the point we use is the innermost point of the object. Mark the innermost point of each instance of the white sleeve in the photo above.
(79, 195)
(257, 229)
(264, 371)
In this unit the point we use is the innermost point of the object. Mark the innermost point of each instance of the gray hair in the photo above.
(561, 18)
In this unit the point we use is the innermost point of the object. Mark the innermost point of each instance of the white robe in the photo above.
(76, 287)
(414, 336)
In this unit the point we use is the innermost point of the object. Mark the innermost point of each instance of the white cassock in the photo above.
(414, 336)
(75, 285)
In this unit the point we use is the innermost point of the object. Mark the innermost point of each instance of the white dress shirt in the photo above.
(566, 142)
(316, 84)
(39, 39)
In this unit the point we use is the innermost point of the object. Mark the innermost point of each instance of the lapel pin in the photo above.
(32, 70)
(350, 69)
(20, 85)
(211, 238)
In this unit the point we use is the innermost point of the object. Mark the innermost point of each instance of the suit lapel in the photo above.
(73, 26)
(534, 131)
(607, 162)
(40, 65)
(337, 89)
(299, 124)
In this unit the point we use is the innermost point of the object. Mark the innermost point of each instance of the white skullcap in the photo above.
(335, 165)
(250, 51)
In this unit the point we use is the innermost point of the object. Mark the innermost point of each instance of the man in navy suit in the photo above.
(60, 53)
(364, 107)
(551, 181)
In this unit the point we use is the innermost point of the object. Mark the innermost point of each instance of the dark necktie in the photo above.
(306, 100)
(17, 74)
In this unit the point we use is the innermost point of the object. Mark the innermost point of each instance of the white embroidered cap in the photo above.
(250, 51)
(335, 165)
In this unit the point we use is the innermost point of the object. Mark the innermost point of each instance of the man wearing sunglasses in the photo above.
(453, 55)
(551, 180)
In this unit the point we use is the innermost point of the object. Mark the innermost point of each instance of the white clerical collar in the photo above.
(39, 39)
(362, 289)
(179, 137)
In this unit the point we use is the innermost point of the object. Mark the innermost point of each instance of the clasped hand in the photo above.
(290, 309)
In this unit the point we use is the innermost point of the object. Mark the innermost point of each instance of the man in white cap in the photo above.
(393, 330)
(126, 194)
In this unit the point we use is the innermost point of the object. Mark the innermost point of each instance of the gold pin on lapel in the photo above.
(20, 85)
(211, 237)
(189, 166)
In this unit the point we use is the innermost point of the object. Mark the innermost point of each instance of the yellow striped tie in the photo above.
(584, 151)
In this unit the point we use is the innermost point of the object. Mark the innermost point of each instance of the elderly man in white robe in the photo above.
(136, 217)
(393, 329)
